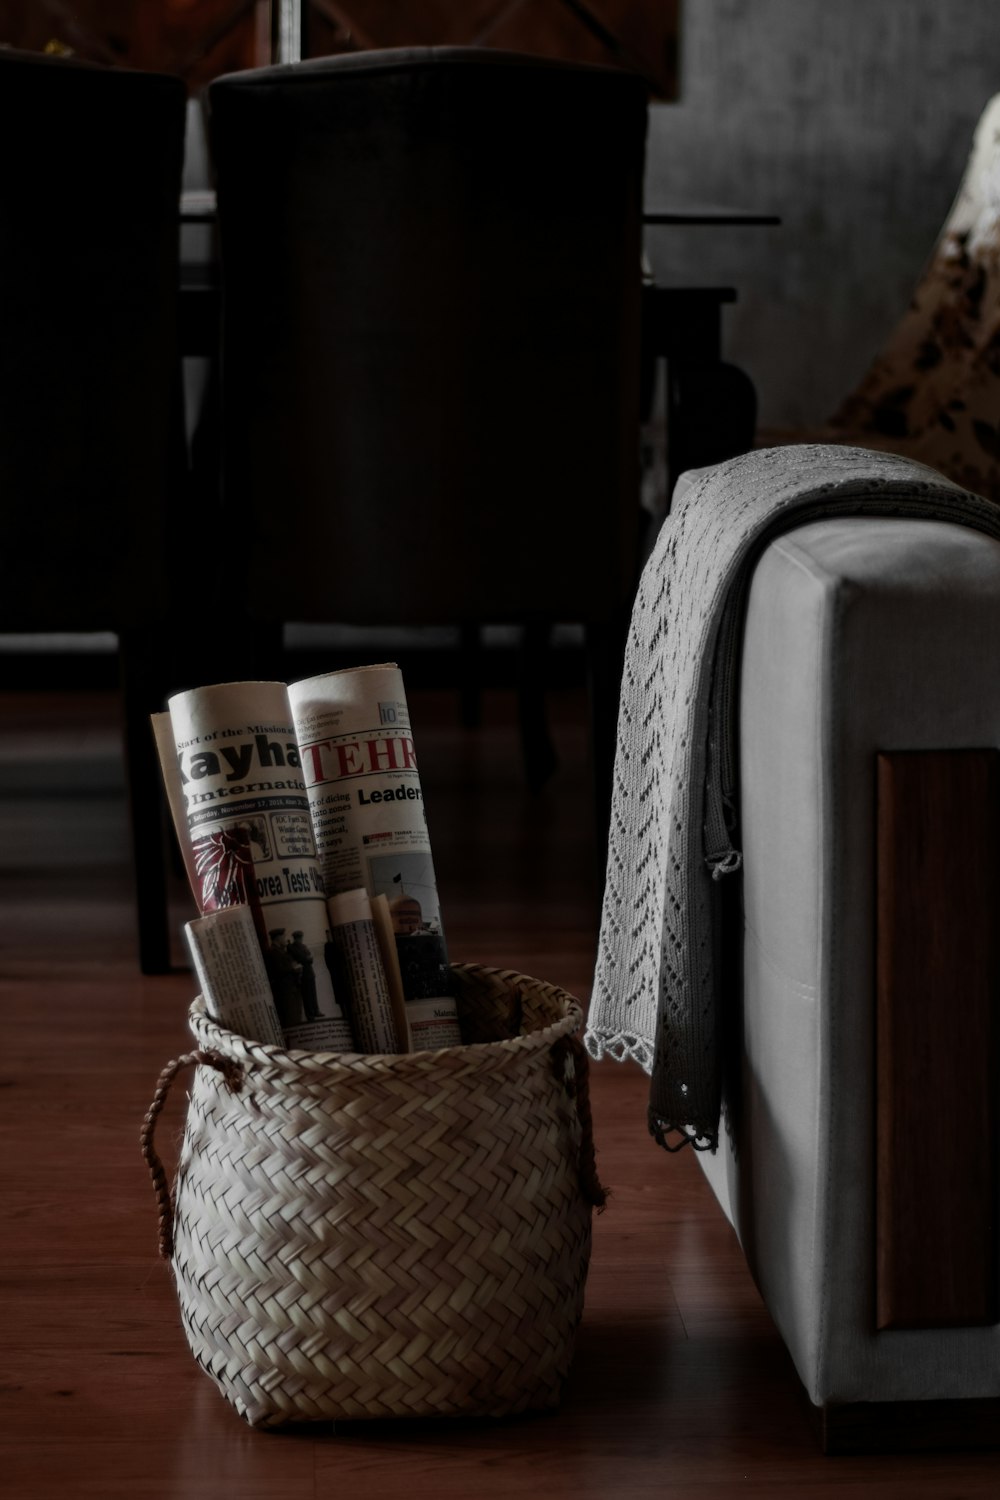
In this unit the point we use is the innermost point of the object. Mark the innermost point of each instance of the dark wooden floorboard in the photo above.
(681, 1387)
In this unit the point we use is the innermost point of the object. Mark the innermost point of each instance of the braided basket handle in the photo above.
(233, 1074)
(571, 1046)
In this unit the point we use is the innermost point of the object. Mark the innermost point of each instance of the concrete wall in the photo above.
(850, 118)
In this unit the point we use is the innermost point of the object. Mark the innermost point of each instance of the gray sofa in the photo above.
(859, 1167)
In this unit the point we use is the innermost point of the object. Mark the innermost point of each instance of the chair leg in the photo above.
(143, 677)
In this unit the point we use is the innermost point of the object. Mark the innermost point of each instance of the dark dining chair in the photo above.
(91, 445)
(430, 345)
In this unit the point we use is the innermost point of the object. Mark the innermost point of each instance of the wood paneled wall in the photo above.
(194, 39)
(198, 39)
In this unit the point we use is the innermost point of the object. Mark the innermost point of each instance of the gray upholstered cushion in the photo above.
(862, 635)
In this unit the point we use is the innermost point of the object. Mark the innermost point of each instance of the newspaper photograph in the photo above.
(360, 769)
(237, 794)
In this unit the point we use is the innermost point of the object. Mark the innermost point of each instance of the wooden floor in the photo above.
(680, 1386)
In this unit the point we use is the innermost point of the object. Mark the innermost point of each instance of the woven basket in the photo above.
(384, 1236)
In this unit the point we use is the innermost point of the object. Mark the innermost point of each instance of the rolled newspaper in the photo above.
(382, 919)
(360, 768)
(360, 974)
(225, 950)
(233, 773)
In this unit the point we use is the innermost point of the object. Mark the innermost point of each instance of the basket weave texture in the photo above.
(383, 1236)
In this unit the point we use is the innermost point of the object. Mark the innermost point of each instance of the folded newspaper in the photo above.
(302, 808)
(360, 769)
(234, 783)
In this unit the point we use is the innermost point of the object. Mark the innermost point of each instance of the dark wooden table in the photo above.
(690, 212)
(711, 405)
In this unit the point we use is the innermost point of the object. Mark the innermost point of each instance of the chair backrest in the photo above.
(936, 381)
(431, 273)
(89, 182)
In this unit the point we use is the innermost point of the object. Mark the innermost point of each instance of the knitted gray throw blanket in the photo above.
(674, 820)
